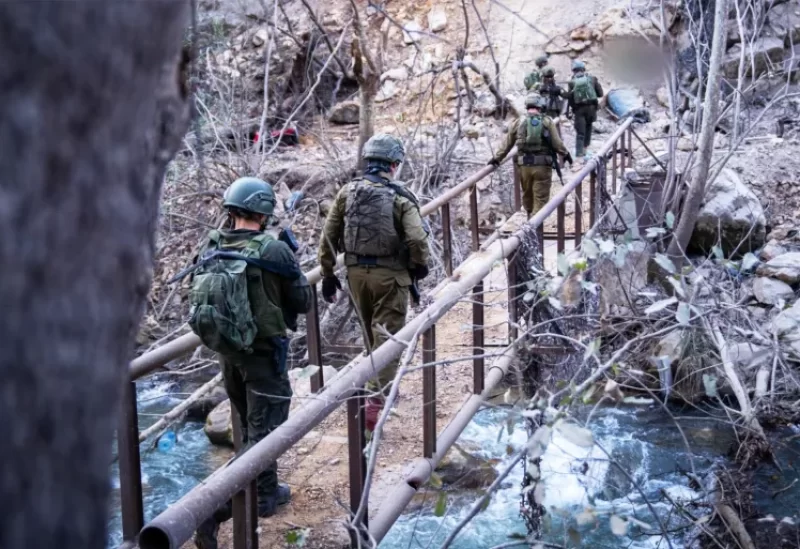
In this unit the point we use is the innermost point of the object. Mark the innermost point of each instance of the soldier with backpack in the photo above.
(537, 142)
(247, 290)
(583, 93)
(553, 96)
(534, 78)
(376, 222)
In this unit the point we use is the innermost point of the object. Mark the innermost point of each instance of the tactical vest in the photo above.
(370, 234)
(583, 91)
(530, 135)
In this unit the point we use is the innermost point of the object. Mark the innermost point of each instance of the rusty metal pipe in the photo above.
(400, 494)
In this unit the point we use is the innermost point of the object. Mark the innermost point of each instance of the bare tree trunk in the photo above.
(694, 198)
(367, 92)
(93, 103)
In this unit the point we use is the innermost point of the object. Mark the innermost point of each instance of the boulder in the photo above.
(686, 144)
(346, 112)
(765, 53)
(461, 469)
(770, 291)
(200, 408)
(785, 267)
(219, 426)
(619, 285)
(411, 32)
(582, 34)
(260, 37)
(731, 215)
(472, 132)
(785, 22)
(437, 19)
(662, 95)
(387, 91)
(398, 73)
(786, 326)
(772, 250)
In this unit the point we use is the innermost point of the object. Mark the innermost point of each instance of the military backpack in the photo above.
(532, 79)
(221, 313)
(583, 91)
(530, 135)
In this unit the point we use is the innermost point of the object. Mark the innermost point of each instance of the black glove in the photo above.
(493, 162)
(418, 272)
(329, 286)
(568, 159)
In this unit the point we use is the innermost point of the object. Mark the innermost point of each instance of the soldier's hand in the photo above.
(418, 272)
(493, 162)
(330, 284)
(568, 159)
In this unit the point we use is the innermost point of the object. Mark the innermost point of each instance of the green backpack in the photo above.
(583, 90)
(533, 132)
(532, 79)
(221, 314)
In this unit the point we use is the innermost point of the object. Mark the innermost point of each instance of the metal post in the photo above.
(614, 169)
(578, 214)
(623, 155)
(473, 217)
(517, 185)
(592, 197)
(244, 528)
(560, 236)
(477, 339)
(130, 472)
(314, 341)
(512, 297)
(429, 392)
(447, 240)
(357, 460)
(630, 145)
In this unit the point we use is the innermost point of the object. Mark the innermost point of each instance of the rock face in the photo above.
(787, 327)
(437, 19)
(785, 22)
(765, 52)
(785, 267)
(727, 216)
(770, 291)
(219, 427)
(346, 112)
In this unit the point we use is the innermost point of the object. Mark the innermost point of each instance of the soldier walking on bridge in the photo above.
(553, 95)
(534, 78)
(247, 290)
(537, 142)
(376, 222)
(584, 92)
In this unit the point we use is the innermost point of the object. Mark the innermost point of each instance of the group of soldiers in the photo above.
(248, 289)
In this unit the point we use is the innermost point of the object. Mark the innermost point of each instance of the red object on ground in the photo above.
(373, 412)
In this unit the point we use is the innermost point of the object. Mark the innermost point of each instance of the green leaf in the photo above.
(587, 396)
(435, 481)
(579, 263)
(665, 263)
(670, 220)
(660, 305)
(297, 537)
(592, 348)
(562, 264)
(718, 253)
(441, 505)
(589, 248)
(683, 313)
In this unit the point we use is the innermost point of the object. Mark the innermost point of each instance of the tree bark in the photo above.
(697, 189)
(93, 103)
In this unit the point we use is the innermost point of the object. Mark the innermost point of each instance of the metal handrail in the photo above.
(176, 524)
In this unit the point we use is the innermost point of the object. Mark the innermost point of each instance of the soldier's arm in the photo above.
(295, 293)
(598, 89)
(331, 233)
(556, 141)
(414, 234)
(508, 144)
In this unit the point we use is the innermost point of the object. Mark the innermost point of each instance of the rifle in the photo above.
(553, 155)
(414, 290)
(287, 237)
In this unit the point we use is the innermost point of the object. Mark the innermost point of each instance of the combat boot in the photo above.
(268, 505)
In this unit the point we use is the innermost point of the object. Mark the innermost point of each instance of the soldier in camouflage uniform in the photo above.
(257, 381)
(377, 224)
(537, 142)
(534, 78)
(583, 94)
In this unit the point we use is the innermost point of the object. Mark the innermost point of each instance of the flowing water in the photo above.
(635, 468)
(166, 476)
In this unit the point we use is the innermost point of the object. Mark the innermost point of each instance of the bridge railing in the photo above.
(236, 480)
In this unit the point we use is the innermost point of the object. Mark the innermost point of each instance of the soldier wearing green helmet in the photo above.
(583, 95)
(553, 95)
(247, 290)
(537, 141)
(376, 222)
(534, 78)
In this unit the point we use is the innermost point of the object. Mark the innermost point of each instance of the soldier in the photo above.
(247, 290)
(534, 78)
(553, 96)
(377, 224)
(584, 92)
(537, 143)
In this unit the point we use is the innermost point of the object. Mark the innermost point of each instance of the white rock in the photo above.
(785, 267)
(260, 37)
(772, 250)
(786, 326)
(411, 32)
(398, 73)
(472, 132)
(346, 112)
(437, 19)
(387, 91)
(770, 291)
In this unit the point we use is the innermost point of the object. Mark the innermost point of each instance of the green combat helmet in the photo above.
(549, 72)
(578, 65)
(534, 101)
(384, 147)
(541, 61)
(250, 194)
